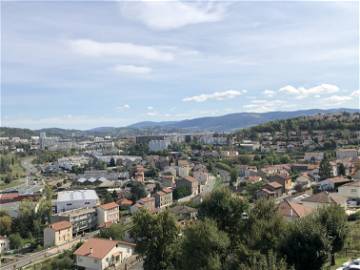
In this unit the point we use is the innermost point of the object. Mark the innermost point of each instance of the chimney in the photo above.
(91, 250)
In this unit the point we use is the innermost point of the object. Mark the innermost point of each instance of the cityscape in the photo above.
(176, 135)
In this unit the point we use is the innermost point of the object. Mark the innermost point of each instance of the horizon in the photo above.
(187, 119)
(104, 66)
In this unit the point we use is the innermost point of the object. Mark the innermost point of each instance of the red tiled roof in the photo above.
(275, 184)
(8, 196)
(125, 202)
(96, 248)
(108, 206)
(190, 179)
(60, 225)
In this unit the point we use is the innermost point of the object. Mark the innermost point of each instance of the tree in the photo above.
(181, 192)
(264, 227)
(204, 246)
(16, 241)
(234, 173)
(5, 224)
(305, 245)
(156, 239)
(333, 218)
(137, 191)
(112, 162)
(116, 232)
(325, 169)
(341, 169)
(226, 209)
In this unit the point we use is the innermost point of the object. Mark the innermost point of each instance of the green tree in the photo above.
(16, 241)
(204, 246)
(156, 239)
(341, 169)
(333, 218)
(115, 231)
(234, 173)
(5, 224)
(226, 209)
(325, 169)
(264, 227)
(305, 245)
(181, 192)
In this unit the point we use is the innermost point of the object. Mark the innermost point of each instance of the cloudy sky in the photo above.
(83, 65)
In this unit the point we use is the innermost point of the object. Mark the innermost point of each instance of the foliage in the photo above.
(305, 245)
(115, 231)
(334, 220)
(204, 246)
(10, 168)
(156, 238)
(16, 241)
(325, 169)
(181, 192)
(137, 191)
(341, 169)
(225, 209)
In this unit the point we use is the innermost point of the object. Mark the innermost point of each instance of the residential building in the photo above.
(108, 214)
(190, 183)
(314, 156)
(58, 233)
(84, 219)
(75, 199)
(323, 199)
(350, 190)
(159, 145)
(4, 244)
(346, 153)
(163, 198)
(202, 176)
(331, 184)
(293, 210)
(284, 180)
(99, 254)
(270, 190)
(147, 203)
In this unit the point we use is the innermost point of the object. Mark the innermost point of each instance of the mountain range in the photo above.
(224, 123)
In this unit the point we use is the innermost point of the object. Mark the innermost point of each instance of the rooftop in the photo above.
(108, 206)
(60, 225)
(77, 195)
(96, 248)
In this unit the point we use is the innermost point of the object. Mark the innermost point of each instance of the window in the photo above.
(87, 202)
(353, 190)
(68, 204)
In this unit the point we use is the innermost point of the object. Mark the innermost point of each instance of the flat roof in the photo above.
(77, 195)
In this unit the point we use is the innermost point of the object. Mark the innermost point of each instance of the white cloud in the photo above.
(229, 94)
(269, 93)
(166, 15)
(263, 105)
(356, 93)
(337, 100)
(152, 113)
(123, 107)
(302, 92)
(112, 49)
(150, 108)
(131, 69)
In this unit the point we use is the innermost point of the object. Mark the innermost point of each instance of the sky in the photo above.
(74, 64)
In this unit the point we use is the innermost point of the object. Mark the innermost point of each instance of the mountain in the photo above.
(235, 121)
(224, 123)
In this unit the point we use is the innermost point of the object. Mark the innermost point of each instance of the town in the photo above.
(235, 200)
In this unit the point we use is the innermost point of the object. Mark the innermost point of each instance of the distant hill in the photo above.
(235, 121)
(224, 123)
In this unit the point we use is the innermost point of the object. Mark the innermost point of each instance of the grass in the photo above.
(11, 184)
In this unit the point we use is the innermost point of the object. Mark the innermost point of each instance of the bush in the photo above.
(354, 216)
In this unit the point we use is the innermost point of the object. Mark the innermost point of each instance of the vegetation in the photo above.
(10, 168)
(115, 231)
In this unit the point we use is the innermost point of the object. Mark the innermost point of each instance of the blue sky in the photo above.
(83, 65)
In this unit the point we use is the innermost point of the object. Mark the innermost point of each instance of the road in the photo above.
(35, 257)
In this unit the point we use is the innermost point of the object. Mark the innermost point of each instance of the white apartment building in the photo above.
(159, 145)
(75, 199)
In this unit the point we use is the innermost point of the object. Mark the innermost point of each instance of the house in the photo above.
(4, 244)
(303, 181)
(201, 175)
(346, 153)
(350, 190)
(99, 254)
(147, 203)
(323, 199)
(125, 203)
(284, 180)
(139, 174)
(270, 190)
(314, 156)
(84, 219)
(58, 233)
(163, 198)
(333, 183)
(293, 210)
(190, 183)
(168, 180)
(75, 199)
(108, 213)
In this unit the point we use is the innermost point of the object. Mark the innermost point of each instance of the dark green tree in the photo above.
(204, 247)
(305, 245)
(334, 219)
(341, 169)
(325, 169)
(156, 238)
(115, 231)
